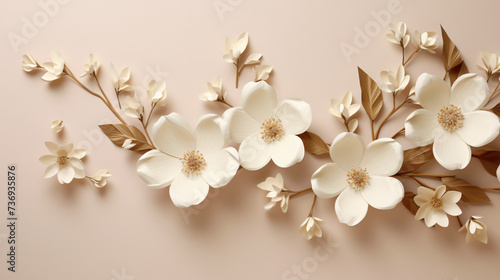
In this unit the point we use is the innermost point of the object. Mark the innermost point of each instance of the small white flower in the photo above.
(277, 192)
(434, 205)
(475, 228)
(157, 91)
(92, 67)
(262, 72)
(360, 176)
(234, 48)
(189, 162)
(397, 34)
(426, 41)
(133, 107)
(394, 82)
(214, 91)
(63, 161)
(29, 63)
(312, 227)
(57, 125)
(128, 144)
(343, 107)
(55, 68)
(100, 178)
(491, 63)
(268, 130)
(120, 82)
(451, 118)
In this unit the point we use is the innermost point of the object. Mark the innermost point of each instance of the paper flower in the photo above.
(133, 107)
(100, 178)
(55, 68)
(214, 91)
(450, 118)
(312, 227)
(234, 48)
(128, 144)
(268, 130)
(361, 175)
(343, 107)
(426, 41)
(63, 161)
(394, 82)
(92, 67)
(57, 126)
(434, 205)
(157, 91)
(120, 82)
(29, 63)
(475, 228)
(277, 192)
(491, 63)
(262, 72)
(397, 34)
(189, 162)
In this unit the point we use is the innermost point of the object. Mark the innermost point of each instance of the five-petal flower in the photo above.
(63, 161)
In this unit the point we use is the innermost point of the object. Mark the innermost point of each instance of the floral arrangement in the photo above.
(449, 124)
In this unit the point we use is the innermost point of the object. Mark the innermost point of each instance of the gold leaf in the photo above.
(496, 109)
(409, 202)
(451, 55)
(490, 160)
(458, 71)
(118, 133)
(416, 157)
(314, 144)
(469, 192)
(371, 95)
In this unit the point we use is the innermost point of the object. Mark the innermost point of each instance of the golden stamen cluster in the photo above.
(272, 130)
(436, 203)
(62, 160)
(450, 117)
(192, 162)
(358, 178)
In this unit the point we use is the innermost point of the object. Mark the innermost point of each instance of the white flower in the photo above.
(426, 41)
(450, 118)
(29, 63)
(277, 192)
(475, 228)
(343, 107)
(189, 162)
(55, 68)
(92, 67)
(157, 91)
(128, 144)
(234, 48)
(214, 91)
(312, 227)
(498, 173)
(361, 175)
(397, 34)
(63, 161)
(120, 82)
(268, 130)
(491, 63)
(394, 82)
(57, 125)
(133, 107)
(100, 178)
(434, 205)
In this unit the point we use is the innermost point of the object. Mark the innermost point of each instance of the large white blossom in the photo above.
(63, 161)
(434, 205)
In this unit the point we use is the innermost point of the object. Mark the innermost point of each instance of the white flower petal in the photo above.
(432, 92)
(295, 115)
(452, 209)
(48, 159)
(76, 163)
(451, 151)
(172, 135)
(66, 174)
(383, 157)
(423, 211)
(220, 169)
(186, 191)
(241, 124)
(51, 170)
(49, 77)
(157, 169)
(470, 92)
(211, 134)
(329, 180)
(77, 153)
(347, 150)
(254, 152)
(52, 147)
(65, 149)
(441, 218)
(421, 127)
(287, 151)
(451, 197)
(383, 192)
(79, 173)
(259, 100)
(350, 207)
(479, 128)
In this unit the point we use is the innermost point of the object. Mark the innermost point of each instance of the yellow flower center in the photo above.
(192, 162)
(272, 130)
(62, 160)
(436, 203)
(450, 117)
(357, 178)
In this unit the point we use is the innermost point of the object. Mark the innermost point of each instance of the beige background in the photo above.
(127, 231)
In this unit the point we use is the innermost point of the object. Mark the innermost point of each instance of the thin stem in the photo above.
(394, 110)
(146, 132)
(371, 127)
(428, 175)
(421, 183)
(237, 71)
(225, 102)
(411, 55)
(494, 91)
(403, 53)
(491, 189)
(297, 193)
(401, 131)
(345, 122)
(117, 92)
(312, 206)
(100, 88)
(459, 222)
(150, 113)
(445, 74)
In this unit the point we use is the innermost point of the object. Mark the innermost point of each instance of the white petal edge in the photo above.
(347, 150)
(383, 192)
(287, 151)
(451, 151)
(158, 169)
(421, 127)
(220, 169)
(470, 92)
(432, 92)
(211, 133)
(350, 207)
(173, 135)
(479, 128)
(259, 100)
(241, 124)
(295, 115)
(329, 180)
(187, 191)
(383, 157)
(254, 152)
